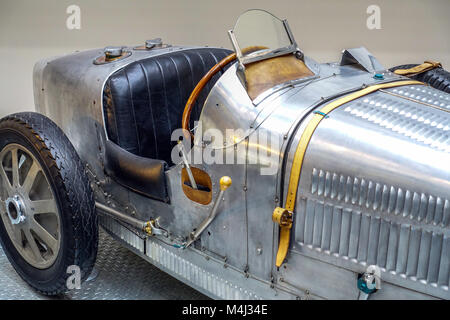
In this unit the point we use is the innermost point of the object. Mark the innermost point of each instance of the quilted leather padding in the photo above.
(144, 101)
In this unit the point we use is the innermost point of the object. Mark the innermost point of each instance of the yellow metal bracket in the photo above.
(148, 228)
(283, 216)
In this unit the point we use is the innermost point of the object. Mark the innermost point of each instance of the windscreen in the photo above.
(262, 30)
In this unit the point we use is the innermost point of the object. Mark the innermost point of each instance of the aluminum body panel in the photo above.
(375, 189)
(228, 107)
(363, 58)
(243, 237)
(276, 117)
(69, 89)
(199, 270)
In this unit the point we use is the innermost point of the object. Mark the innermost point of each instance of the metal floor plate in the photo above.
(122, 275)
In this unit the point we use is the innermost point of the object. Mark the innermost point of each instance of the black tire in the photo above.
(67, 177)
(437, 78)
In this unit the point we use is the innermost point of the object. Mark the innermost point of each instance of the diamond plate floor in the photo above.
(122, 275)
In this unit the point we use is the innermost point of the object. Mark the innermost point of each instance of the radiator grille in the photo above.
(400, 249)
(381, 197)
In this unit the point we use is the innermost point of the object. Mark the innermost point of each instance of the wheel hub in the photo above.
(30, 213)
(15, 209)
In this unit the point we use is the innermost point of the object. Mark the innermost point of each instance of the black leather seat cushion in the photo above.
(143, 175)
(144, 101)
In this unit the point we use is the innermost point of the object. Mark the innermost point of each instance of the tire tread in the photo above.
(76, 195)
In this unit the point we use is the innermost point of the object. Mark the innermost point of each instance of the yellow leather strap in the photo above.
(426, 66)
(294, 178)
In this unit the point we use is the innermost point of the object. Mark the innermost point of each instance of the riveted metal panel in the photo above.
(375, 188)
(380, 197)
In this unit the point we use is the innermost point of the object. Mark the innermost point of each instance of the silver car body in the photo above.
(374, 187)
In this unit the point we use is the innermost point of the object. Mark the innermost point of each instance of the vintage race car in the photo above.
(247, 174)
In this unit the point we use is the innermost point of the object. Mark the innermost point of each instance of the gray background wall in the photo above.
(411, 30)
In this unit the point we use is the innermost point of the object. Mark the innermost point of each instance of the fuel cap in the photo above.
(157, 42)
(113, 52)
(152, 44)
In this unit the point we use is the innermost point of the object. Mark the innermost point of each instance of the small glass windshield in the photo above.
(258, 32)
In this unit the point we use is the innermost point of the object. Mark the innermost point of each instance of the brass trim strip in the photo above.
(299, 155)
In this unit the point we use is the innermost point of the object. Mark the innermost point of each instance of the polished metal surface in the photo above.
(207, 273)
(157, 42)
(229, 107)
(28, 207)
(187, 165)
(136, 223)
(113, 52)
(374, 187)
(432, 98)
(69, 89)
(390, 207)
(361, 57)
(205, 223)
(15, 209)
(119, 274)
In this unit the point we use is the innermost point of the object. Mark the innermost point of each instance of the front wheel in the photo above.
(48, 220)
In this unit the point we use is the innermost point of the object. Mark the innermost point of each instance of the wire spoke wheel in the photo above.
(29, 210)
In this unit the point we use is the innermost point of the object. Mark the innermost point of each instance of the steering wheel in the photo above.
(198, 88)
(202, 83)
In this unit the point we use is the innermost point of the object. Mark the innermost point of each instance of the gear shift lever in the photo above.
(225, 183)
